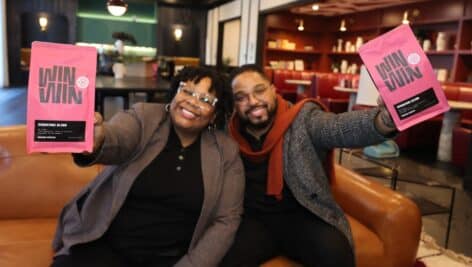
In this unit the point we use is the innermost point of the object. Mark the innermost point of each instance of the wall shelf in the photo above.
(295, 51)
(440, 53)
(343, 54)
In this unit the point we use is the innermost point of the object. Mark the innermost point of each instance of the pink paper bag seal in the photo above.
(61, 98)
(404, 77)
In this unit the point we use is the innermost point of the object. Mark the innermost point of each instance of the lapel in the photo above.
(211, 172)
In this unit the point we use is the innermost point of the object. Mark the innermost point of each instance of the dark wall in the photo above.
(100, 30)
(15, 9)
(194, 20)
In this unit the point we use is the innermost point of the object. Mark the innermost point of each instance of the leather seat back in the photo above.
(37, 185)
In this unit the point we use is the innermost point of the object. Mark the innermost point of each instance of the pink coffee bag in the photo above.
(61, 98)
(404, 77)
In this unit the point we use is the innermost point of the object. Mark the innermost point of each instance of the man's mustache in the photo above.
(256, 107)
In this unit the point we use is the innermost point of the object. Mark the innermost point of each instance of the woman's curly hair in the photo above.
(219, 85)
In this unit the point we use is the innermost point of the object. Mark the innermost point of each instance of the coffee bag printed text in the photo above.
(57, 85)
(396, 72)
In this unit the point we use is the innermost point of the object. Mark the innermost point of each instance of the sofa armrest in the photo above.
(393, 217)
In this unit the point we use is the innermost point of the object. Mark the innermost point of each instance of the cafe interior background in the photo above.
(306, 47)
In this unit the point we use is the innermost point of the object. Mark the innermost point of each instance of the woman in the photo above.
(173, 193)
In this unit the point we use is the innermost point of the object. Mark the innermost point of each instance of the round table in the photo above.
(450, 119)
(301, 84)
(352, 95)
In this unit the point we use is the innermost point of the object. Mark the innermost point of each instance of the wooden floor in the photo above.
(12, 106)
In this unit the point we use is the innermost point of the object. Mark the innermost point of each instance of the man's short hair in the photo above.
(248, 68)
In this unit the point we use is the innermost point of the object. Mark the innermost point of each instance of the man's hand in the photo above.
(383, 121)
(98, 132)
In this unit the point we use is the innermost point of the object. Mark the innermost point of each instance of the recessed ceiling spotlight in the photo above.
(315, 7)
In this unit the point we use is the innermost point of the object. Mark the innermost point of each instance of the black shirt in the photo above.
(256, 199)
(158, 217)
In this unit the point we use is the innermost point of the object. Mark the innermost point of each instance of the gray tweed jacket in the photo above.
(306, 144)
(132, 140)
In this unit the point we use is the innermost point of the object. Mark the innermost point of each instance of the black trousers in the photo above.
(99, 253)
(299, 235)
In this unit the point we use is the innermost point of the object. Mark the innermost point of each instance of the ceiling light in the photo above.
(405, 18)
(43, 23)
(117, 7)
(315, 7)
(300, 25)
(342, 27)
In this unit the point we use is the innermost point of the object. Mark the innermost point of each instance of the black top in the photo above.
(256, 198)
(158, 217)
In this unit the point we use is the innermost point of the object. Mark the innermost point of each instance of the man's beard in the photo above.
(246, 122)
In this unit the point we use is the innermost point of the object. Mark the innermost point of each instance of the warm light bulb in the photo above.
(342, 27)
(43, 23)
(178, 34)
(315, 7)
(300, 26)
(405, 18)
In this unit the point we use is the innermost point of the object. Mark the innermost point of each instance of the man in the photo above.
(289, 208)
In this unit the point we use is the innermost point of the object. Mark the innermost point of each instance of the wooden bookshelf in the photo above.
(453, 17)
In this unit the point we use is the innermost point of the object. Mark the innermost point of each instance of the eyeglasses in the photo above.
(204, 100)
(258, 92)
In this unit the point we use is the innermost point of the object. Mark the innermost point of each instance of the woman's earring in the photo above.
(211, 127)
(167, 107)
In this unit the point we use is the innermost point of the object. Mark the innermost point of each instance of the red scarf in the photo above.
(273, 143)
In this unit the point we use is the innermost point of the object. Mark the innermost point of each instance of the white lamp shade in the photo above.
(43, 23)
(117, 7)
(178, 32)
(117, 10)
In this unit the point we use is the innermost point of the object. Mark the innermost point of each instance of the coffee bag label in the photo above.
(404, 77)
(61, 98)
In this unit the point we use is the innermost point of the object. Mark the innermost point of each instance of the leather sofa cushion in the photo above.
(369, 248)
(39, 184)
(27, 242)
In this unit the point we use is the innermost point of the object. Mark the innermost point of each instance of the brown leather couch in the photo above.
(33, 188)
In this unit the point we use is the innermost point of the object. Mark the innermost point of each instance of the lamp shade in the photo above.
(43, 23)
(117, 7)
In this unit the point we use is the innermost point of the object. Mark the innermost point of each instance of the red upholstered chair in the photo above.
(269, 72)
(289, 91)
(461, 138)
(465, 94)
(462, 132)
(322, 87)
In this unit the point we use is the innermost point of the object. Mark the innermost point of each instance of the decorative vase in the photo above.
(347, 46)
(340, 45)
(441, 41)
(344, 66)
(426, 45)
(359, 42)
(119, 70)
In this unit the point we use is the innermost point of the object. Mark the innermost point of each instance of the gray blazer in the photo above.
(133, 139)
(306, 144)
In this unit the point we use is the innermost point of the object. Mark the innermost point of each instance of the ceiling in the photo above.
(193, 3)
(342, 7)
